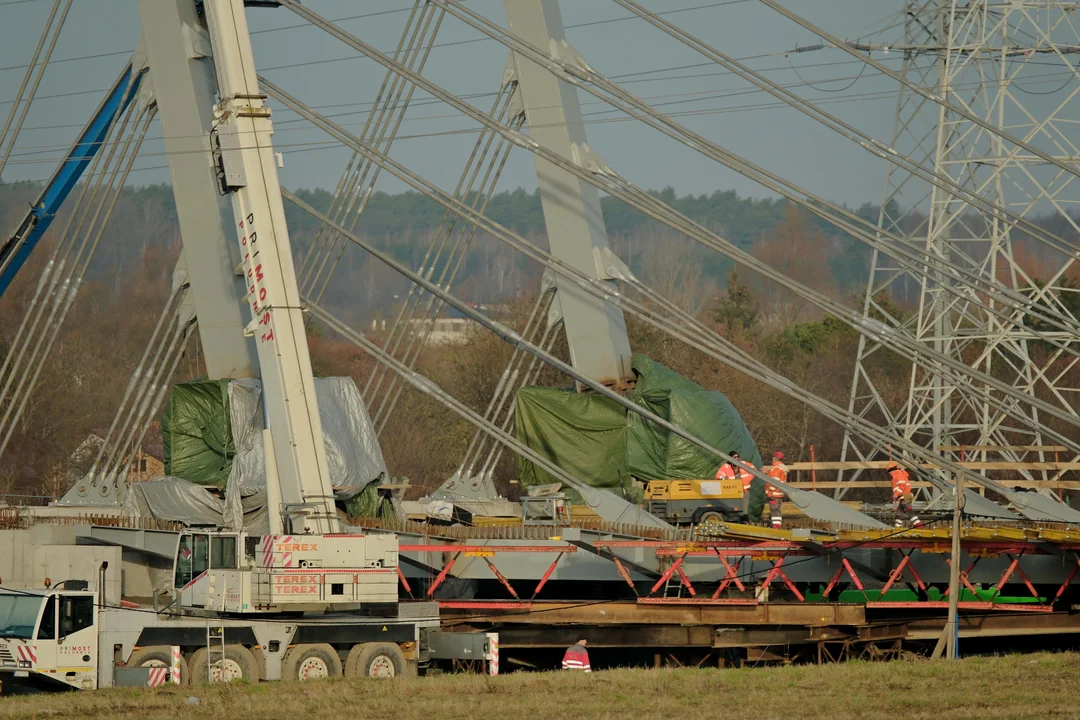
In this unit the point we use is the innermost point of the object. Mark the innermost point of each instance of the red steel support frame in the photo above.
(964, 577)
(731, 575)
(898, 573)
(1068, 580)
(844, 565)
(776, 572)
(1014, 567)
(485, 551)
(732, 552)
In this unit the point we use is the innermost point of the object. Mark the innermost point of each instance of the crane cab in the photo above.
(237, 573)
(49, 639)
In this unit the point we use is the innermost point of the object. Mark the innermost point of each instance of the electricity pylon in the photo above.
(1013, 65)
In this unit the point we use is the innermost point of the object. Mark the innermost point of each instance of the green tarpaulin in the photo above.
(583, 434)
(197, 433)
(597, 441)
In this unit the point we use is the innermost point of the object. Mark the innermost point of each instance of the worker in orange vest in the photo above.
(902, 495)
(778, 471)
(734, 469)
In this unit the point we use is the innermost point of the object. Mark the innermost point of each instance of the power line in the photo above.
(358, 17)
(884, 94)
(301, 147)
(689, 97)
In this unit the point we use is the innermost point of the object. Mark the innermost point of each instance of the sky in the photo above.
(337, 80)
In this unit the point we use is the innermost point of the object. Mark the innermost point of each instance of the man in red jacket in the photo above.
(576, 657)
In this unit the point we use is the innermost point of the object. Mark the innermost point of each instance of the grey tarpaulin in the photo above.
(352, 449)
(173, 498)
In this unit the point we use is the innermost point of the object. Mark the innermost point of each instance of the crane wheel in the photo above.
(158, 656)
(375, 660)
(310, 662)
(237, 664)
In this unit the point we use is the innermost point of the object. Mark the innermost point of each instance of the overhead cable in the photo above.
(606, 292)
(867, 142)
(606, 180)
(576, 71)
(53, 27)
(923, 92)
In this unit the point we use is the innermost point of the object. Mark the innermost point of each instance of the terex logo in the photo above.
(296, 547)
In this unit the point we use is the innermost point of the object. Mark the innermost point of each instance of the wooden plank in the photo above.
(855, 484)
(882, 464)
(1001, 448)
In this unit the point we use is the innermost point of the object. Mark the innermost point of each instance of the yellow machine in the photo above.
(695, 501)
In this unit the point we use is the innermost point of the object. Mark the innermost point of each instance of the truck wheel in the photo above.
(310, 662)
(158, 656)
(375, 660)
(238, 664)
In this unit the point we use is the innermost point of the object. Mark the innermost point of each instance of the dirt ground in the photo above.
(1017, 686)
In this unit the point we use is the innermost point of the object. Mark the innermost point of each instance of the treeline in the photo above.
(405, 223)
(83, 381)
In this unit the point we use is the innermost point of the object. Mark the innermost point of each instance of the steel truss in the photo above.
(976, 56)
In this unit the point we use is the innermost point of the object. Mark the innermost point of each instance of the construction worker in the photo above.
(902, 495)
(734, 469)
(576, 657)
(778, 471)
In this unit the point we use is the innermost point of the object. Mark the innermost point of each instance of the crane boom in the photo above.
(248, 171)
(17, 248)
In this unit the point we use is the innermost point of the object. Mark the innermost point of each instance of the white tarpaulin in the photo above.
(353, 454)
(352, 449)
(173, 498)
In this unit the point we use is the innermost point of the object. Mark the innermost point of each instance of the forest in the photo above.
(84, 376)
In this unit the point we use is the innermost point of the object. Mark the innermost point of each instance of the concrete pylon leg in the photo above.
(595, 329)
(179, 55)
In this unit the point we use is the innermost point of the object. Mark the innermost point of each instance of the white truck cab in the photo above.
(49, 637)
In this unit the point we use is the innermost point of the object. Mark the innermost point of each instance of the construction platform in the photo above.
(700, 633)
(740, 593)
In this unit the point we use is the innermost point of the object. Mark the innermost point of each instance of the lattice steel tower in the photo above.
(1013, 64)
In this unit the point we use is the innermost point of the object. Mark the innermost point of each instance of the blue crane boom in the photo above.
(17, 248)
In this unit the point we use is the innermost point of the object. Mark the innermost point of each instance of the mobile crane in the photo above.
(306, 600)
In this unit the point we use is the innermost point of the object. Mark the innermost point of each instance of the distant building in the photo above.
(149, 461)
(444, 331)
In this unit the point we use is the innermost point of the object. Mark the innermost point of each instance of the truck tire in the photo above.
(376, 660)
(310, 662)
(238, 664)
(158, 656)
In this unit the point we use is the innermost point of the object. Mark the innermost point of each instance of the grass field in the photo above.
(1018, 686)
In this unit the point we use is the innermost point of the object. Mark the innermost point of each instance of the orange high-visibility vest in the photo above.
(901, 483)
(729, 472)
(778, 471)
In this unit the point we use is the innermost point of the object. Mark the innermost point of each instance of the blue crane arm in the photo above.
(17, 248)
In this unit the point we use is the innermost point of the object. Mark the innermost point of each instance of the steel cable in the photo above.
(486, 224)
(136, 385)
(46, 288)
(65, 300)
(866, 326)
(37, 81)
(579, 74)
(452, 241)
(416, 54)
(864, 140)
(508, 376)
(453, 264)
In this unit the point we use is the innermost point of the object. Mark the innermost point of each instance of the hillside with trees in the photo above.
(82, 383)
